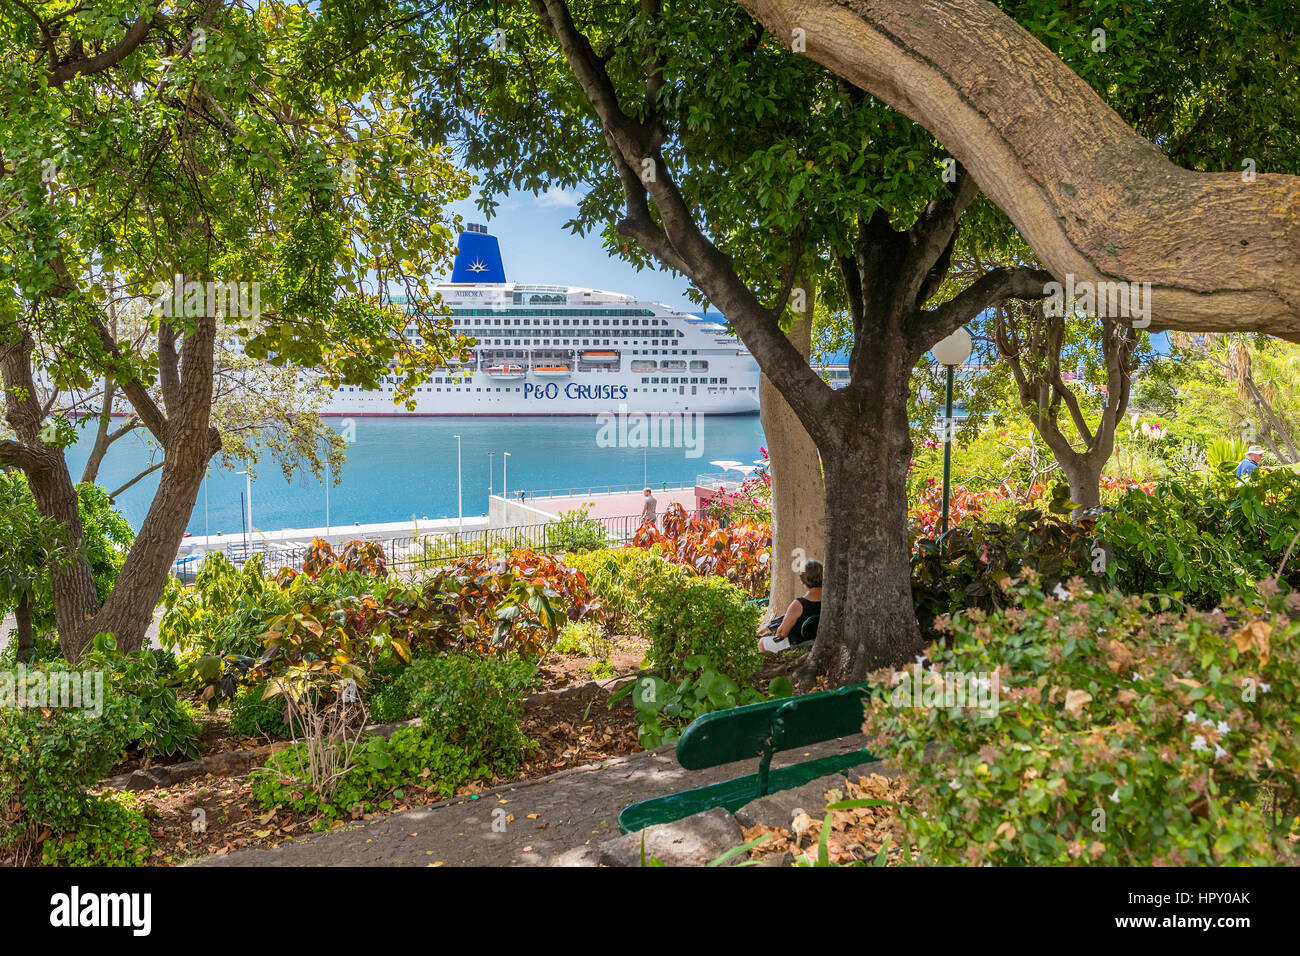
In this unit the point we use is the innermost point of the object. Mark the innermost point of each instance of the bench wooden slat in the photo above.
(734, 794)
(744, 732)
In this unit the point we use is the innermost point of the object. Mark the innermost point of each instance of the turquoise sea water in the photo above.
(399, 467)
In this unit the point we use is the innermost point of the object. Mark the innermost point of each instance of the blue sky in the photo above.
(536, 247)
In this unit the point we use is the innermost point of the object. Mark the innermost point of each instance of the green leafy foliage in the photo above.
(979, 559)
(382, 768)
(29, 542)
(576, 531)
(664, 709)
(166, 723)
(690, 616)
(225, 611)
(474, 701)
(1204, 536)
(254, 715)
(112, 831)
(1125, 731)
(49, 755)
(618, 578)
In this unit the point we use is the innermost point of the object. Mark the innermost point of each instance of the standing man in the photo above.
(1254, 455)
(648, 512)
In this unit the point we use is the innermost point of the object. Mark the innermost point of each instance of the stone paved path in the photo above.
(575, 811)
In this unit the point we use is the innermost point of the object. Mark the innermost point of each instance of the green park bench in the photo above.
(757, 730)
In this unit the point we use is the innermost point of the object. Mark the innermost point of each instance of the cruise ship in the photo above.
(567, 350)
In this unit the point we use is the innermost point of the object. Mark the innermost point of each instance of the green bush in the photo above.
(391, 703)
(687, 616)
(111, 832)
(225, 611)
(167, 724)
(49, 755)
(582, 639)
(383, 767)
(619, 577)
(576, 532)
(1124, 732)
(252, 715)
(1203, 536)
(475, 702)
(979, 557)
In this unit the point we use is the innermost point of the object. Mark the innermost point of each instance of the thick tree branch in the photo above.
(990, 289)
(1091, 197)
(634, 143)
(144, 474)
(134, 36)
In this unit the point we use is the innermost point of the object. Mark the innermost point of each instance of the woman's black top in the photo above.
(809, 607)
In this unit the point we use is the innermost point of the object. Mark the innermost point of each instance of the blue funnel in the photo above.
(478, 258)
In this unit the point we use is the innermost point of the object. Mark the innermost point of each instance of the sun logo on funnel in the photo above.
(478, 265)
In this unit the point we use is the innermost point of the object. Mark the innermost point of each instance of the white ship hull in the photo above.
(579, 394)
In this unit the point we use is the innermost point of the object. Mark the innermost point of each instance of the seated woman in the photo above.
(800, 609)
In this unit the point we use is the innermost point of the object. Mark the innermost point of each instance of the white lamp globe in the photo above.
(955, 349)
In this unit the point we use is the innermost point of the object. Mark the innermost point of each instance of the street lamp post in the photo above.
(491, 477)
(505, 464)
(952, 351)
(248, 484)
(460, 506)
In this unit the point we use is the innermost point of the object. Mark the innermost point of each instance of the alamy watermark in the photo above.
(74, 690)
(1128, 300)
(625, 429)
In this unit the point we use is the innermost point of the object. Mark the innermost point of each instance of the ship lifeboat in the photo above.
(552, 371)
(644, 365)
(609, 357)
(505, 373)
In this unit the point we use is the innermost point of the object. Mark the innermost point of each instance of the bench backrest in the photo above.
(747, 732)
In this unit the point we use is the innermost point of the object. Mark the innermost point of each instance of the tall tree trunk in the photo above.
(869, 619)
(71, 584)
(798, 493)
(1083, 472)
(26, 636)
(128, 609)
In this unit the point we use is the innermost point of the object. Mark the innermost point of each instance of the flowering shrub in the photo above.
(1126, 732)
(751, 503)
(739, 552)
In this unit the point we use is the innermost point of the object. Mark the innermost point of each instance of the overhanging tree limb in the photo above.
(1092, 197)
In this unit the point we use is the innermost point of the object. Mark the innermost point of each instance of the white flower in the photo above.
(1189, 717)
(1198, 743)
(1265, 688)
(1060, 592)
(955, 784)
(1219, 752)
(1222, 727)
(1114, 797)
